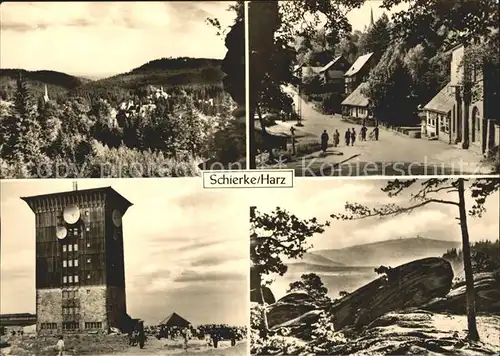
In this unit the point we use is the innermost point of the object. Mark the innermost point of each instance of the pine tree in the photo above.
(24, 129)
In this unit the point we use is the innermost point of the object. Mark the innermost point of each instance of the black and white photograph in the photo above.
(379, 87)
(121, 89)
(377, 267)
(122, 267)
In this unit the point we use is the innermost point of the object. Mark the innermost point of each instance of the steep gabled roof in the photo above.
(356, 98)
(175, 319)
(443, 101)
(331, 63)
(358, 64)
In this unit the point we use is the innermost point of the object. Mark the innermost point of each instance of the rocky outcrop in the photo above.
(280, 313)
(420, 333)
(410, 285)
(296, 297)
(487, 288)
(301, 327)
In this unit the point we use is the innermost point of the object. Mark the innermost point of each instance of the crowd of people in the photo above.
(350, 137)
(213, 334)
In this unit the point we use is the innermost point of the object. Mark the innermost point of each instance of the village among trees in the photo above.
(164, 118)
(307, 320)
(430, 71)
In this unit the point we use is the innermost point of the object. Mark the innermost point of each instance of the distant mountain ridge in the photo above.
(389, 252)
(165, 71)
(314, 259)
(180, 63)
(45, 76)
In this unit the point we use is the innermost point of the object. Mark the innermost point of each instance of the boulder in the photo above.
(410, 285)
(307, 318)
(487, 288)
(296, 297)
(301, 327)
(279, 313)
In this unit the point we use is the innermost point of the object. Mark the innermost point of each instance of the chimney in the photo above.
(75, 186)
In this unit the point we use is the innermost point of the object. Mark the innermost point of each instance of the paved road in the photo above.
(393, 154)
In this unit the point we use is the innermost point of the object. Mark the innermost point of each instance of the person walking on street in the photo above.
(324, 141)
(347, 137)
(375, 132)
(353, 136)
(336, 138)
(60, 346)
(363, 133)
(186, 338)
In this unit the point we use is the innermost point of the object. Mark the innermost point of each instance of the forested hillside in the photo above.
(160, 119)
(58, 84)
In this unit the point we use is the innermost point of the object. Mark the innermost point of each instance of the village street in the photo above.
(393, 154)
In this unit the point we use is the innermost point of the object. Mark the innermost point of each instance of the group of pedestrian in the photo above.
(349, 137)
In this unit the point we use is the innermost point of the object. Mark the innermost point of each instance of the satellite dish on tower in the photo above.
(61, 232)
(71, 214)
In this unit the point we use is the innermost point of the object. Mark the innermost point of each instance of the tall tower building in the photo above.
(372, 22)
(80, 272)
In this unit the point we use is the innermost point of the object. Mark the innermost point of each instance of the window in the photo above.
(75, 247)
(77, 310)
(70, 263)
(86, 213)
(75, 232)
(65, 263)
(76, 279)
(48, 326)
(88, 244)
(75, 263)
(93, 325)
(89, 260)
(70, 279)
(64, 248)
(87, 228)
(70, 326)
(65, 280)
(88, 276)
(70, 248)
(64, 294)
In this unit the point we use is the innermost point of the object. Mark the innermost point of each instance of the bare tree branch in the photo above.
(359, 212)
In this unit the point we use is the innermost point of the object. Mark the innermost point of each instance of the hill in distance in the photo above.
(312, 258)
(57, 82)
(168, 72)
(388, 253)
(182, 71)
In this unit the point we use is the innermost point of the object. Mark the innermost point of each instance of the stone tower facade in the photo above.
(80, 273)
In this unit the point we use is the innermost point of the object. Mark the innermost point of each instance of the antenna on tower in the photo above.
(75, 185)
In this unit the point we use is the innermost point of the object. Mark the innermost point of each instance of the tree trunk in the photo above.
(252, 164)
(469, 276)
(265, 136)
(261, 301)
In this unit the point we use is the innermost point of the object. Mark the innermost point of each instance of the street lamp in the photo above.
(292, 130)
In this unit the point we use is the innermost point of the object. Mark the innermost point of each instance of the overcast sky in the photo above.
(359, 18)
(185, 251)
(317, 197)
(103, 38)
